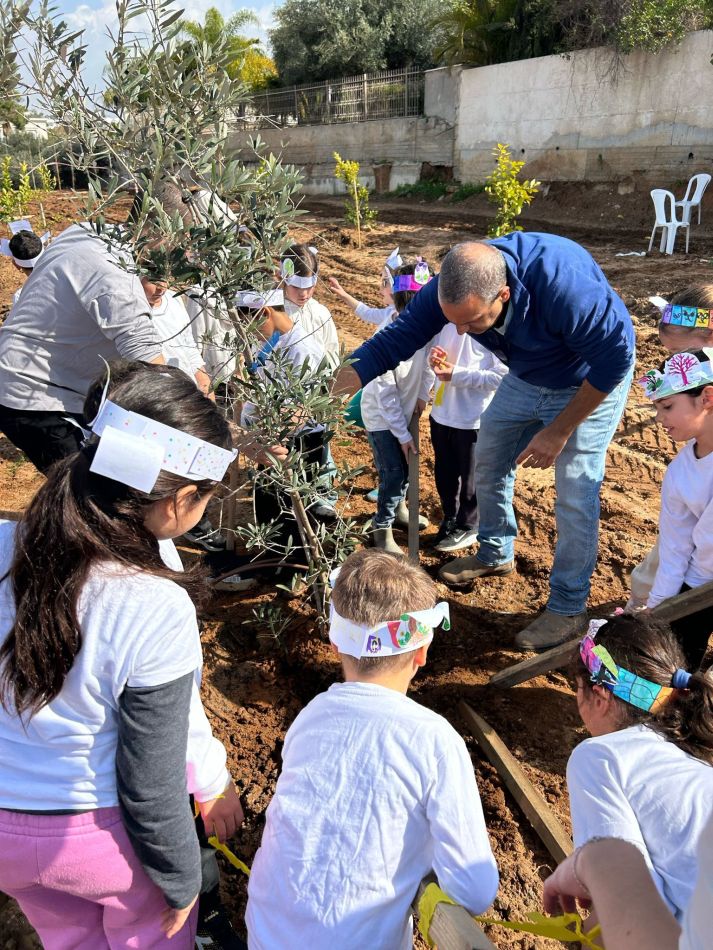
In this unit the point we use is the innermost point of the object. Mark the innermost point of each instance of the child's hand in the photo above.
(407, 447)
(438, 361)
(172, 920)
(335, 287)
(222, 816)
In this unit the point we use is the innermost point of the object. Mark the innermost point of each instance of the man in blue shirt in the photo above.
(544, 307)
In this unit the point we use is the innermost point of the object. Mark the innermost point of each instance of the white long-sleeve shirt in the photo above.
(389, 401)
(477, 373)
(213, 333)
(375, 315)
(173, 327)
(685, 525)
(137, 630)
(375, 792)
(317, 321)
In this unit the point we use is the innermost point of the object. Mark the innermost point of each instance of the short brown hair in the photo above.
(374, 586)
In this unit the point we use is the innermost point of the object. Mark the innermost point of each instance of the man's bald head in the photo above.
(471, 269)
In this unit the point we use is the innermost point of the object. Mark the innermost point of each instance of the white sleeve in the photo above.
(387, 396)
(676, 524)
(169, 645)
(486, 378)
(427, 382)
(183, 339)
(462, 858)
(206, 772)
(597, 802)
(373, 314)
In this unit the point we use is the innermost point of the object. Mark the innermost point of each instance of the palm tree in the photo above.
(244, 48)
(477, 32)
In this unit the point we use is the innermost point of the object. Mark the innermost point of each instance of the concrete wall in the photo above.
(575, 119)
(572, 118)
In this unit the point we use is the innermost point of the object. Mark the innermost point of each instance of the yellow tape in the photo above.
(438, 398)
(225, 850)
(567, 928)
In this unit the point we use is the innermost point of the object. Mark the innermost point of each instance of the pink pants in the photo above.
(80, 884)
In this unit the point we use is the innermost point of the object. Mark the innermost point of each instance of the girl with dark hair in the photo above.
(645, 775)
(102, 731)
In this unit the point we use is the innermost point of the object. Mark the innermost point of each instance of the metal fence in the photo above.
(394, 93)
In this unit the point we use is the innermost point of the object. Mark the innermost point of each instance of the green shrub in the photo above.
(466, 189)
(423, 190)
(357, 210)
(505, 189)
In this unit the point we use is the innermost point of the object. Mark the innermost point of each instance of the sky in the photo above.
(97, 16)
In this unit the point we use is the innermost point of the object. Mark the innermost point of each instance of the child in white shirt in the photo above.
(467, 375)
(376, 791)
(375, 315)
(387, 405)
(645, 775)
(172, 324)
(298, 278)
(682, 392)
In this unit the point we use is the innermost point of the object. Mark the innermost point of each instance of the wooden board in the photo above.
(675, 608)
(536, 809)
(7, 515)
(452, 927)
(413, 494)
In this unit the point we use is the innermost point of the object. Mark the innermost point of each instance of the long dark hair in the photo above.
(649, 648)
(78, 519)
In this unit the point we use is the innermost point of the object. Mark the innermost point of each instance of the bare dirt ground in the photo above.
(254, 686)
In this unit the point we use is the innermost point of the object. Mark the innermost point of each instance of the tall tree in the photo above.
(247, 61)
(328, 39)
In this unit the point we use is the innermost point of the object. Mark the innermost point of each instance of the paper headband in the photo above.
(632, 689)
(416, 281)
(392, 263)
(252, 300)
(287, 272)
(677, 316)
(681, 372)
(412, 630)
(15, 227)
(134, 449)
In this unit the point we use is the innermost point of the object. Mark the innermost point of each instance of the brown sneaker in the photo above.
(464, 570)
(550, 629)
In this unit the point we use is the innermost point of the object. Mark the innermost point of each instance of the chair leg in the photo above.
(663, 243)
(688, 234)
(651, 242)
(699, 212)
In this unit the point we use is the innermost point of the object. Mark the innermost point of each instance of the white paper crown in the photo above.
(134, 449)
(256, 300)
(394, 260)
(412, 630)
(287, 272)
(15, 227)
(681, 372)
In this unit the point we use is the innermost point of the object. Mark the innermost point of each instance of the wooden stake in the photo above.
(452, 927)
(674, 608)
(357, 212)
(536, 809)
(413, 493)
(311, 544)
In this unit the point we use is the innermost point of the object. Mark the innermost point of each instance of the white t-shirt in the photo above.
(137, 630)
(698, 918)
(173, 328)
(685, 525)
(375, 792)
(477, 373)
(389, 401)
(634, 784)
(213, 333)
(317, 320)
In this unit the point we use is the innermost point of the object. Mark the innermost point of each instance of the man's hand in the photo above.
(543, 448)
(222, 816)
(407, 447)
(172, 920)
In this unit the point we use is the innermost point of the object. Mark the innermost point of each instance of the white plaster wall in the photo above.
(576, 118)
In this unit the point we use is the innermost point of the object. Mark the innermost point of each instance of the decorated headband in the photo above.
(412, 630)
(134, 449)
(287, 272)
(393, 262)
(681, 372)
(633, 689)
(677, 316)
(252, 300)
(15, 227)
(416, 281)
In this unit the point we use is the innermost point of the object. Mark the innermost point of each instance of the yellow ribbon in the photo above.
(567, 928)
(438, 398)
(223, 848)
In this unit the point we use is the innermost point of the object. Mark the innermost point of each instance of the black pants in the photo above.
(44, 437)
(693, 633)
(454, 472)
(272, 504)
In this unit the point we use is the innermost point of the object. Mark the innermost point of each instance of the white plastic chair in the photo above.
(665, 206)
(694, 193)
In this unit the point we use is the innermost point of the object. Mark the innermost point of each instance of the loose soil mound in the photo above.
(254, 686)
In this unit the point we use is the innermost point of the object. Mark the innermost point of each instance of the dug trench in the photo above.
(254, 685)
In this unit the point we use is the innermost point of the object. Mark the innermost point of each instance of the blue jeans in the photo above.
(393, 475)
(517, 412)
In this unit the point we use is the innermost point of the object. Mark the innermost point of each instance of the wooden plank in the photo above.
(7, 515)
(413, 493)
(452, 927)
(674, 608)
(536, 809)
(543, 662)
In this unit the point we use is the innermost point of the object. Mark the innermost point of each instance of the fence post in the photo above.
(328, 87)
(365, 88)
(297, 111)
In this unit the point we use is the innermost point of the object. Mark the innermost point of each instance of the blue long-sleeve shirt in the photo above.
(565, 323)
